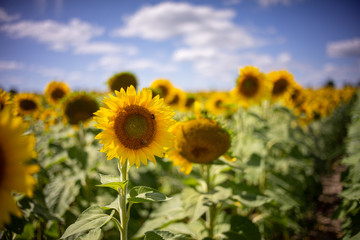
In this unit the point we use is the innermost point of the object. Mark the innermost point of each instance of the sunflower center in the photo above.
(135, 127)
(175, 100)
(80, 109)
(218, 103)
(2, 165)
(57, 94)
(295, 94)
(27, 105)
(249, 86)
(189, 102)
(164, 91)
(2, 105)
(280, 86)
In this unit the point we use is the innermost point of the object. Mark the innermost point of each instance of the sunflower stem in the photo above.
(211, 212)
(124, 219)
(81, 134)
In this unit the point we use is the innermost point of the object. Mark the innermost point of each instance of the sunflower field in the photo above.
(269, 159)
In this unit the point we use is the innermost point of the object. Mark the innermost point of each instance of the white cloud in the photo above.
(196, 25)
(344, 48)
(104, 48)
(5, 17)
(10, 65)
(116, 64)
(267, 3)
(57, 35)
(76, 35)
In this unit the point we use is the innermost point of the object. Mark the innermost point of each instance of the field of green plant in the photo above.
(266, 160)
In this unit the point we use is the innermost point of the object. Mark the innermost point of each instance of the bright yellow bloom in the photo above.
(178, 99)
(201, 140)
(164, 88)
(251, 87)
(135, 126)
(282, 83)
(15, 175)
(56, 91)
(4, 99)
(217, 103)
(26, 104)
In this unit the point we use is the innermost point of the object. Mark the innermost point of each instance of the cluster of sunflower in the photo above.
(138, 126)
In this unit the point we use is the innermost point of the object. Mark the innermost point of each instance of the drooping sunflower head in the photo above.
(122, 80)
(201, 140)
(56, 91)
(15, 174)
(4, 99)
(164, 88)
(27, 104)
(282, 83)
(79, 108)
(136, 126)
(252, 86)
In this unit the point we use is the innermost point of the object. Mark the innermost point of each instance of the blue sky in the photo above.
(198, 44)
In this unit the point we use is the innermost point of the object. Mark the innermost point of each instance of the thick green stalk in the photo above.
(211, 213)
(122, 200)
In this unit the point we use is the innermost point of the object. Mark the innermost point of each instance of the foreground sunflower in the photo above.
(15, 175)
(122, 80)
(201, 140)
(282, 83)
(251, 86)
(136, 126)
(26, 104)
(56, 91)
(79, 108)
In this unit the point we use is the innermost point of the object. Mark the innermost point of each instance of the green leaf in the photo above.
(114, 185)
(164, 235)
(113, 205)
(251, 200)
(141, 194)
(108, 178)
(353, 193)
(61, 192)
(91, 218)
(193, 203)
(94, 234)
(245, 227)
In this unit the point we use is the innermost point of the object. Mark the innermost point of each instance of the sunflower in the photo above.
(4, 99)
(49, 117)
(56, 91)
(136, 126)
(27, 104)
(252, 86)
(282, 83)
(217, 103)
(164, 88)
(79, 107)
(201, 140)
(189, 102)
(122, 80)
(15, 175)
(178, 99)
